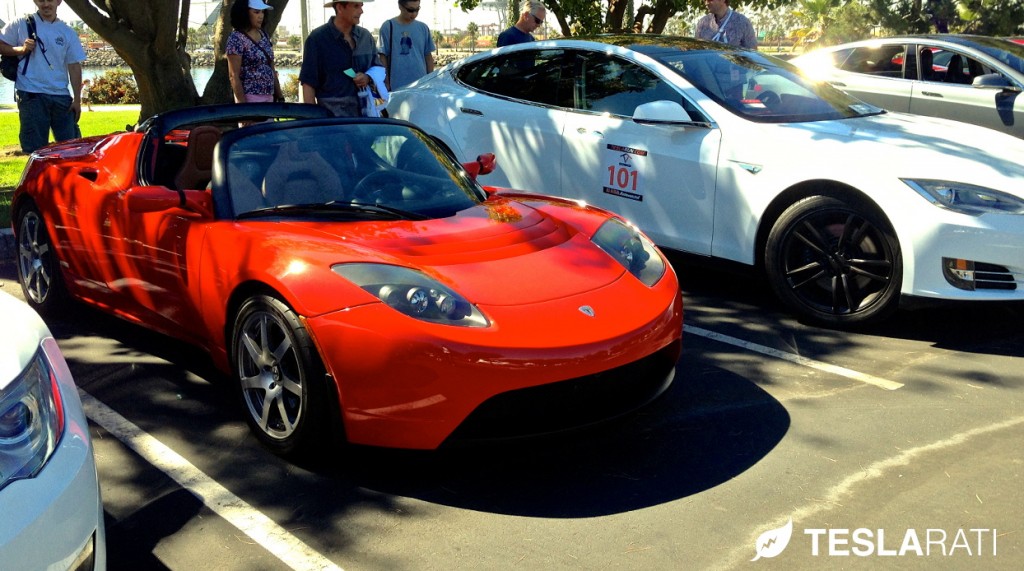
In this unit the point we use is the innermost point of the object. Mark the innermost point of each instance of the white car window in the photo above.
(612, 85)
(886, 60)
(539, 76)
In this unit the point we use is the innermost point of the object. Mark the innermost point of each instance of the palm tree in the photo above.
(815, 16)
(473, 31)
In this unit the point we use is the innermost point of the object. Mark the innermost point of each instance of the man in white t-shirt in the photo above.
(55, 57)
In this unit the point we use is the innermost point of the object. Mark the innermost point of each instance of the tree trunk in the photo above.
(663, 10)
(616, 13)
(166, 84)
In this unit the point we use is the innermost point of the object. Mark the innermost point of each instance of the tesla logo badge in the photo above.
(587, 310)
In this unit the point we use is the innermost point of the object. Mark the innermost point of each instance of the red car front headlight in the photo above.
(413, 293)
(31, 420)
(631, 249)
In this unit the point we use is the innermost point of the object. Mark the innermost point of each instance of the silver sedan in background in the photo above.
(974, 79)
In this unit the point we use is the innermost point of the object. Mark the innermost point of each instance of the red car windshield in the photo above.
(351, 168)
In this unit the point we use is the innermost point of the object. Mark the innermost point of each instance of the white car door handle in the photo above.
(584, 131)
(931, 94)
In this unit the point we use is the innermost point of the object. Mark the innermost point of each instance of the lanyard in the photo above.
(720, 36)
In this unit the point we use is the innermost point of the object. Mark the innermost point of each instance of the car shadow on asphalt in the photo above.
(709, 427)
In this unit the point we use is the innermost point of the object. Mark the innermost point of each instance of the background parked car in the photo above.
(975, 79)
(51, 516)
(733, 154)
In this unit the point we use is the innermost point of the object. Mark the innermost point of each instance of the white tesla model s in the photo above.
(732, 154)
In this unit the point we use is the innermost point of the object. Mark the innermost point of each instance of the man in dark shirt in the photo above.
(335, 58)
(531, 18)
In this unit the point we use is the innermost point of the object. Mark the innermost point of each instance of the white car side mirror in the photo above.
(661, 112)
(993, 81)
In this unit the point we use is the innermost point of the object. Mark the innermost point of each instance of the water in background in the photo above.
(199, 74)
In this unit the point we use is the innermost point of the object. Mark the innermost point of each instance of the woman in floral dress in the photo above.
(251, 55)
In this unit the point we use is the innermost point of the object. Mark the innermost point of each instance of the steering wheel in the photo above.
(374, 187)
(769, 98)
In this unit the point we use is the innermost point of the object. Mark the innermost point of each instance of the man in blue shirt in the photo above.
(531, 18)
(335, 59)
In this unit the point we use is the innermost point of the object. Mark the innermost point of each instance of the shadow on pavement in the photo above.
(708, 428)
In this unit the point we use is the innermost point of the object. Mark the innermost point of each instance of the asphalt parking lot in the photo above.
(891, 448)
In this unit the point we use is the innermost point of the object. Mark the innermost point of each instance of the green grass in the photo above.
(11, 165)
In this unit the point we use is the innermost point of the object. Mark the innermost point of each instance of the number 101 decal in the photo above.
(623, 165)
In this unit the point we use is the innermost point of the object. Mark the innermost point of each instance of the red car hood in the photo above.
(498, 253)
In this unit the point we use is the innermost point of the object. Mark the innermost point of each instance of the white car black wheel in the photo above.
(834, 262)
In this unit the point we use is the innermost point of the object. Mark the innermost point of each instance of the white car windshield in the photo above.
(760, 88)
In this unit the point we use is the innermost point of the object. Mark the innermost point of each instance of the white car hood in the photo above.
(896, 144)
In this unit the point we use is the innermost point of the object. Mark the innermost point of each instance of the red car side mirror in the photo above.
(484, 164)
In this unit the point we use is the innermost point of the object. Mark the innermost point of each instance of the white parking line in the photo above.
(272, 537)
(804, 361)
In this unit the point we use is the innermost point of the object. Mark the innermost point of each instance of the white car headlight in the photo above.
(31, 420)
(631, 249)
(966, 198)
(413, 293)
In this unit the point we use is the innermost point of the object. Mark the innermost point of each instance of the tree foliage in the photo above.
(986, 17)
(151, 37)
(585, 17)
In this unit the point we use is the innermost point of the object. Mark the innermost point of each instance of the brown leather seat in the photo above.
(197, 170)
(297, 177)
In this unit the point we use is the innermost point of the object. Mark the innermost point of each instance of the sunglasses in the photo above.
(537, 20)
(412, 10)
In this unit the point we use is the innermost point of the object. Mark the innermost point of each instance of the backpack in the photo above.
(9, 64)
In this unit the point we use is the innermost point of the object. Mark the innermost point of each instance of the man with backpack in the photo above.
(51, 61)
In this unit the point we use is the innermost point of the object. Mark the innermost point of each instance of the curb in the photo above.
(7, 248)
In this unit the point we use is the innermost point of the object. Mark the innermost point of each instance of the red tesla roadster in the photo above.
(352, 277)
